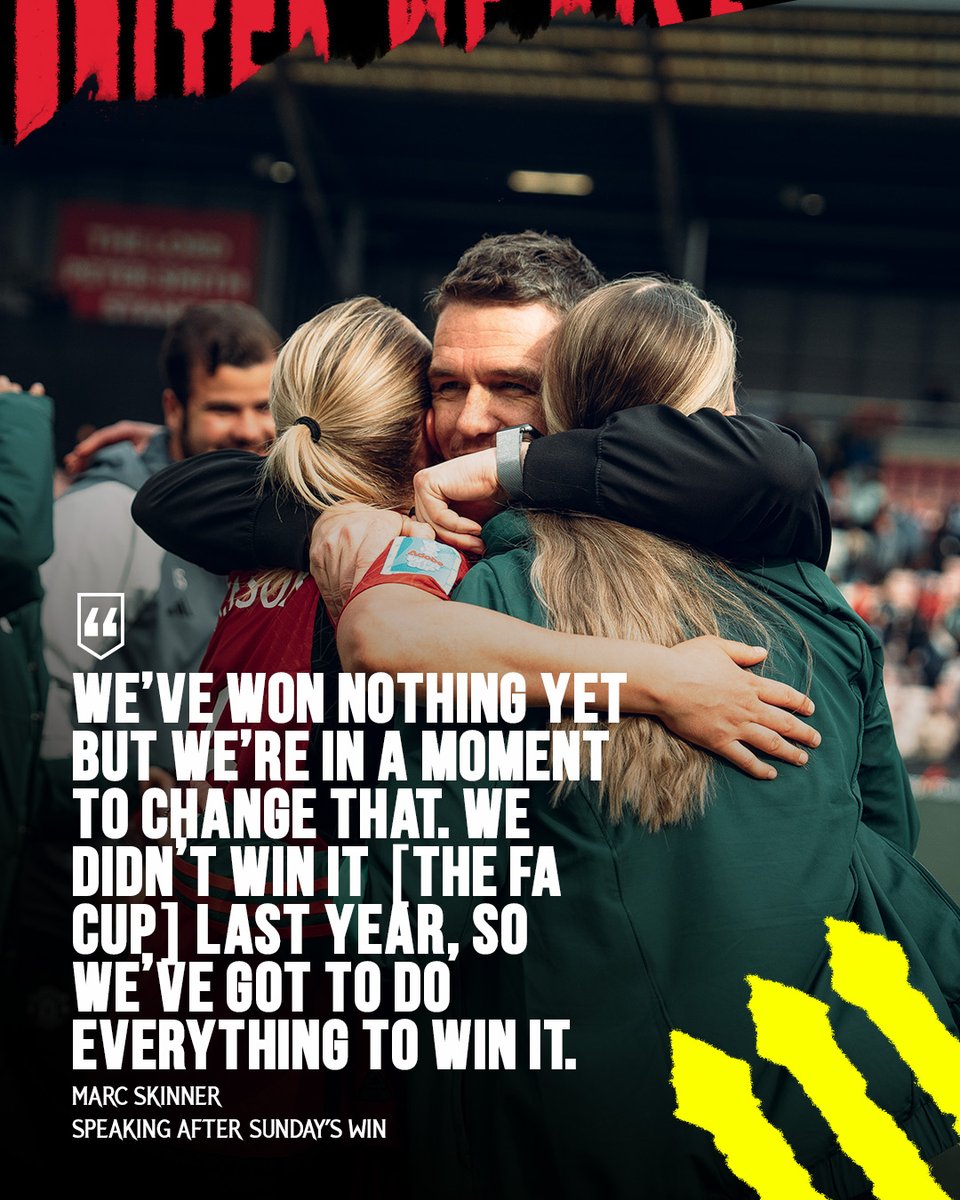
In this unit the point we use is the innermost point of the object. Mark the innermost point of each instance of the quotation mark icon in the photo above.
(100, 628)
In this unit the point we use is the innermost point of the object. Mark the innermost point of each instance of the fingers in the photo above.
(770, 742)
(430, 503)
(744, 758)
(138, 433)
(466, 543)
(346, 541)
(788, 726)
(447, 526)
(435, 510)
(783, 696)
(416, 529)
(742, 655)
(7, 385)
(88, 445)
(770, 691)
(78, 458)
(776, 740)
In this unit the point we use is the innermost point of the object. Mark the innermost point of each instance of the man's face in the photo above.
(485, 373)
(228, 410)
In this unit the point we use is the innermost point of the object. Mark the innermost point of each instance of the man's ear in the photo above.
(172, 411)
(431, 436)
(423, 454)
(174, 417)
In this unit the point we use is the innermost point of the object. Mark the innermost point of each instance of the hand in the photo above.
(471, 483)
(157, 777)
(138, 433)
(7, 385)
(707, 698)
(346, 540)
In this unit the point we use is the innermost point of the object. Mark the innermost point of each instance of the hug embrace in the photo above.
(652, 531)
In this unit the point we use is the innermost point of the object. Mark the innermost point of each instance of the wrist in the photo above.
(510, 452)
(648, 668)
(493, 489)
(649, 680)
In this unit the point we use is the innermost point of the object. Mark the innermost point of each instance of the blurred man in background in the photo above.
(216, 362)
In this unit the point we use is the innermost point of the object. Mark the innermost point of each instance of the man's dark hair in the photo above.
(519, 268)
(214, 335)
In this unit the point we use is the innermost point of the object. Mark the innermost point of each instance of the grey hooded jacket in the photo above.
(170, 606)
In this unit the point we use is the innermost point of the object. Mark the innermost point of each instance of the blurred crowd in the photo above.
(896, 557)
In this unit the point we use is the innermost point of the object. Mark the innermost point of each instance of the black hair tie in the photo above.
(311, 424)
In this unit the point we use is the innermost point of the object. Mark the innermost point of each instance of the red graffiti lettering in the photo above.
(98, 32)
(96, 52)
(35, 94)
(145, 51)
(625, 11)
(476, 14)
(310, 17)
(668, 12)
(249, 17)
(193, 18)
(406, 16)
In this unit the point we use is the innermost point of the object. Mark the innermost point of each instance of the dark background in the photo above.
(798, 162)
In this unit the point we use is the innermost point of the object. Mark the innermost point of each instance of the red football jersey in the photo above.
(269, 624)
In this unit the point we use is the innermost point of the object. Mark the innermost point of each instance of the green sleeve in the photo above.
(888, 804)
(26, 468)
(886, 795)
(499, 583)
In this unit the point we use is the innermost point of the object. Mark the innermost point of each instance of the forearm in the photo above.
(401, 629)
(210, 511)
(698, 688)
(737, 486)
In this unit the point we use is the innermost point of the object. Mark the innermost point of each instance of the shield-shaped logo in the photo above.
(100, 622)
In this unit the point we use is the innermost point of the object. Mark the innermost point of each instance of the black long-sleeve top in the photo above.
(739, 487)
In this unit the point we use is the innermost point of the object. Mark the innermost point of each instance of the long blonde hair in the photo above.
(358, 370)
(647, 340)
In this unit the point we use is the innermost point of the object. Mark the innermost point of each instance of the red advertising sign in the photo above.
(139, 265)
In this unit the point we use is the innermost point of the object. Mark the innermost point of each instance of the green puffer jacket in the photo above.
(656, 932)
